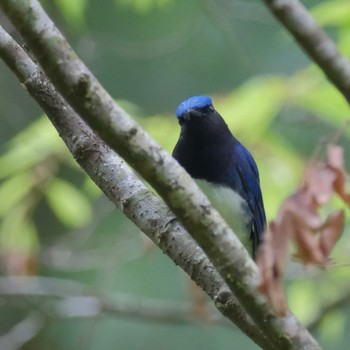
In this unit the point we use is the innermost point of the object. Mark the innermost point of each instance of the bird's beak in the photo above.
(191, 113)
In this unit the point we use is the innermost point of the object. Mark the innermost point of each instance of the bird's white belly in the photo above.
(232, 207)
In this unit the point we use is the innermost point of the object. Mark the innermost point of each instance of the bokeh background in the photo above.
(55, 223)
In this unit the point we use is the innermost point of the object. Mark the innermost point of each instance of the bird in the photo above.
(222, 167)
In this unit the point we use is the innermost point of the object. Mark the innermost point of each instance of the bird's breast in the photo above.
(232, 207)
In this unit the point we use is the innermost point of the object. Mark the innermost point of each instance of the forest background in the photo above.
(150, 55)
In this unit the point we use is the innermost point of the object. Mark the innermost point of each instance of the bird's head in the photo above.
(193, 108)
(197, 115)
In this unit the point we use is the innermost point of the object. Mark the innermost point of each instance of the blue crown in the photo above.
(194, 102)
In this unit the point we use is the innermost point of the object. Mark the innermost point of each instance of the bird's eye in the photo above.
(211, 108)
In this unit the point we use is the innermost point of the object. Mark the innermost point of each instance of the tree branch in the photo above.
(22, 332)
(81, 89)
(125, 189)
(315, 42)
(78, 300)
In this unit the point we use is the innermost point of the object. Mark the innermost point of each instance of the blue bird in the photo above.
(223, 168)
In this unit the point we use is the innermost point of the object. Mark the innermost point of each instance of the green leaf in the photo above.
(69, 204)
(164, 129)
(302, 299)
(29, 147)
(344, 41)
(73, 11)
(253, 105)
(17, 232)
(311, 91)
(333, 325)
(332, 12)
(279, 155)
(143, 6)
(13, 190)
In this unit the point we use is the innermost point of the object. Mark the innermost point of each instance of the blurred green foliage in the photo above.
(151, 54)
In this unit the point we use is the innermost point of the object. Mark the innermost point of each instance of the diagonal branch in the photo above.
(315, 42)
(125, 189)
(22, 332)
(81, 89)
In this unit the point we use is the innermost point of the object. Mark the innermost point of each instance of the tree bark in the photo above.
(315, 42)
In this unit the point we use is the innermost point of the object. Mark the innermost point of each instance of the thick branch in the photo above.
(315, 42)
(125, 189)
(81, 89)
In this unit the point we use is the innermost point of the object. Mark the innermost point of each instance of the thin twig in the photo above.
(75, 300)
(22, 332)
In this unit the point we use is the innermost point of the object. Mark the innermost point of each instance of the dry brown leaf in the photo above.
(17, 262)
(271, 260)
(335, 157)
(298, 220)
(319, 182)
(331, 231)
(308, 249)
(336, 163)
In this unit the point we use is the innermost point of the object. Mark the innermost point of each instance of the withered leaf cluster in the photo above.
(299, 221)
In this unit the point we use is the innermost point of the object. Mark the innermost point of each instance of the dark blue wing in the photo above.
(243, 177)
